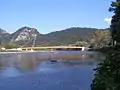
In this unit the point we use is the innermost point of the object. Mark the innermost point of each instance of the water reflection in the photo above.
(17, 64)
(60, 70)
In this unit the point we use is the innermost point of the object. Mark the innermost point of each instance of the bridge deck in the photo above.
(51, 47)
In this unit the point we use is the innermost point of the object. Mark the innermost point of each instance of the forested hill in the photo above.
(69, 36)
(74, 31)
(25, 36)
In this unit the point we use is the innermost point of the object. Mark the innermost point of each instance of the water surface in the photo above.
(60, 70)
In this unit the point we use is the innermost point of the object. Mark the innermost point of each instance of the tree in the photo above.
(100, 38)
(81, 43)
(115, 23)
(107, 76)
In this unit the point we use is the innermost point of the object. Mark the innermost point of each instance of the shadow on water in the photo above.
(60, 70)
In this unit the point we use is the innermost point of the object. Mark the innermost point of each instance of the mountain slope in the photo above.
(4, 36)
(25, 36)
(67, 36)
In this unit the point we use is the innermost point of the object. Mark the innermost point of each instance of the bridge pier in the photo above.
(83, 48)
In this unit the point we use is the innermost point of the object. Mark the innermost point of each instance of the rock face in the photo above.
(24, 35)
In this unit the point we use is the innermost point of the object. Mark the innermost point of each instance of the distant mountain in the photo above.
(65, 37)
(26, 35)
(4, 35)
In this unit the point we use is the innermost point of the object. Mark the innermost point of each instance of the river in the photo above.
(59, 70)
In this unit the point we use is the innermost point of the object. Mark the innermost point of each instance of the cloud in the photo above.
(108, 20)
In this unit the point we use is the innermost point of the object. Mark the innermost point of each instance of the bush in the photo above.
(107, 74)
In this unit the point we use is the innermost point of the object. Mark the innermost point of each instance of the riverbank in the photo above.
(11, 52)
(16, 52)
(103, 49)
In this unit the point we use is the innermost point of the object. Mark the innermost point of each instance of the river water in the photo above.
(60, 70)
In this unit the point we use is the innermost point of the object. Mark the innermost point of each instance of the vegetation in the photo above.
(10, 45)
(100, 38)
(65, 37)
(107, 76)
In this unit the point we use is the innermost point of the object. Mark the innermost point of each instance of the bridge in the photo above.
(54, 48)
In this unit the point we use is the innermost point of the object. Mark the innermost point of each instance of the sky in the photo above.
(53, 15)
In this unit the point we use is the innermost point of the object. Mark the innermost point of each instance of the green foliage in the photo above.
(100, 38)
(108, 72)
(115, 23)
(107, 76)
(82, 43)
(67, 36)
(10, 45)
